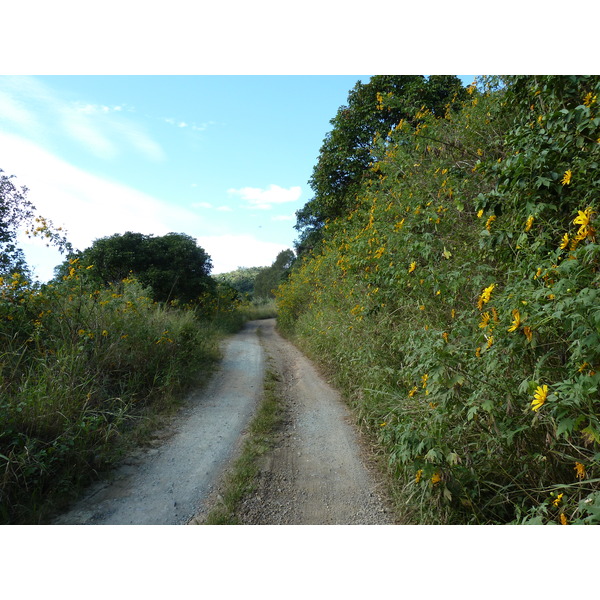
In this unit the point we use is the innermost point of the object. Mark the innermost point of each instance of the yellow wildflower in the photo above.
(583, 219)
(424, 379)
(485, 320)
(418, 475)
(528, 333)
(589, 99)
(412, 267)
(563, 519)
(566, 180)
(529, 223)
(489, 222)
(478, 352)
(412, 392)
(436, 478)
(495, 314)
(565, 241)
(516, 321)
(556, 501)
(480, 213)
(539, 397)
(580, 470)
(485, 296)
(445, 336)
(490, 341)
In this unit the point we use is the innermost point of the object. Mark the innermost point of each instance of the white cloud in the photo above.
(264, 199)
(13, 112)
(229, 252)
(100, 129)
(87, 206)
(202, 205)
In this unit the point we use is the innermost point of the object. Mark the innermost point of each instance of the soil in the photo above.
(319, 472)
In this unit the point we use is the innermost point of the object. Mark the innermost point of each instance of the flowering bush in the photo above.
(458, 304)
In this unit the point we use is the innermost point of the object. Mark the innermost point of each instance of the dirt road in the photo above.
(317, 474)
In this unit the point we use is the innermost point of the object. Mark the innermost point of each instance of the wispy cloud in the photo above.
(193, 126)
(265, 199)
(85, 205)
(33, 109)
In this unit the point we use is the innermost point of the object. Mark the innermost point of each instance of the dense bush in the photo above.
(458, 305)
(83, 369)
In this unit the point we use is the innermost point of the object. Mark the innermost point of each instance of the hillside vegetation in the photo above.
(455, 299)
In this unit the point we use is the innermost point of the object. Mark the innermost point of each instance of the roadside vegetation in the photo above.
(92, 361)
(453, 292)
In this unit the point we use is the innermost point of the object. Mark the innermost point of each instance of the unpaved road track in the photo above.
(320, 471)
(316, 474)
(167, 485)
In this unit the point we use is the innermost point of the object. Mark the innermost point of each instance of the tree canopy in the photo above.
(269, 278)
(373, 111)
(172, 265)
(17, 212)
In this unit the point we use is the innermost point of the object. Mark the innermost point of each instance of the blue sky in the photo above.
(225, 159)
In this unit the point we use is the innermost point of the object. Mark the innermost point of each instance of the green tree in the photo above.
(373, 111)
(268, 279)
(173, 265)
(17, 212)
(242, 279)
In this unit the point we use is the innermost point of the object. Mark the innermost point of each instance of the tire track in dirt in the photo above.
(319, 471)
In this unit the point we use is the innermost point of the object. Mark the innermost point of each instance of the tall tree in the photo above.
(173, 265)
(268, 279)
(373, 109)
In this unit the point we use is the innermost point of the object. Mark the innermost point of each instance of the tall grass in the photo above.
(83, 374)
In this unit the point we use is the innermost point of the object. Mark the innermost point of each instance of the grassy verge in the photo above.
(86, 374)
(240, 481)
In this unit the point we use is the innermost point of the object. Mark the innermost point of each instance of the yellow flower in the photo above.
(412, 392)
(489, 222)
(478, 352)
(485, 319)
(516, 321)
(383, 424)
(580, 470)
(424, 379)
(412, 267)
(104, 332)
(418, 475)
(589, 99)
(566, 180)
(583, 220)
(480, 213)
(445, 336)
(565, 241)
(539, 397)
(529, 223)
(436, 478)
(485, 296)
(490, 341)
(563, 519)
(528, 333)
(556, 501)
